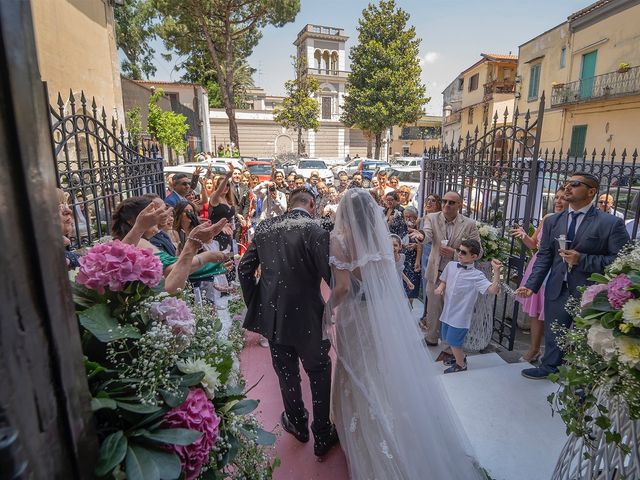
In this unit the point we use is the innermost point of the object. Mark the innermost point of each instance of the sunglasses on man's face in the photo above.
(576, 184)
(449, 202)
(462, 252)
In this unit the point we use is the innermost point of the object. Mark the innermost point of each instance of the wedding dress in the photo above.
(392, 416)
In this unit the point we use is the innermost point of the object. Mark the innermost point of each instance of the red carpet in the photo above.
(297, 459)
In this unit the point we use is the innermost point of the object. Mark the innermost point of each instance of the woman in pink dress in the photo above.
(533, 306)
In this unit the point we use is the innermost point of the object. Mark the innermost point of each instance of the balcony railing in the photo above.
(498, 86)
(453, 118)
(328, 72)
(610, 84)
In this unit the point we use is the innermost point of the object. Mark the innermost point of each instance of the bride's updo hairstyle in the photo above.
(361, 222)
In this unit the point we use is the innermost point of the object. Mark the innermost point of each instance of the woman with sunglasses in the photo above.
(533, 306)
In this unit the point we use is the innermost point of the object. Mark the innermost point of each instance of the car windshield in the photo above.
(315, 164)
(260, 169)
(413, 176)
(374, 166)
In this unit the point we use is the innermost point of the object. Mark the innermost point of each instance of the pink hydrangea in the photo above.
(115, 264)
(176, 314)
(591, 292)
(617, 291)
(195, 413)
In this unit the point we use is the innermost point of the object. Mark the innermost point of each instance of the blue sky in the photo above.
(453, 34)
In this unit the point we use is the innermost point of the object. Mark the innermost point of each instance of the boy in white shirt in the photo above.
(460, 284)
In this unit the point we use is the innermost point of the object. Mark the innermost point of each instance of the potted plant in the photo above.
(624, 67)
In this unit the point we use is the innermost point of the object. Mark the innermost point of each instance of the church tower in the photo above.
(324, 50)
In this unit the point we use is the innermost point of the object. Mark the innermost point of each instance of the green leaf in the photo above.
(174, 436)
(103, 326)
(234, 445)
(599, 278)
(139, 464)
(192, 379)
(144, 463)
(601, 303)
(175, 399)
(100, 403)
(603, 422)
(112, 452)
(244, 407)
(138, 407)
(609, 320)
(265, 438)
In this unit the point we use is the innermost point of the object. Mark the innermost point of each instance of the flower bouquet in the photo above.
(602, 355)
(494, 245)
(165, 400)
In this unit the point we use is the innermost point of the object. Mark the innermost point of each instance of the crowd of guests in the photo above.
(197, 236)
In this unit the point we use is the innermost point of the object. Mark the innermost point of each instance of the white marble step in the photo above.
(507, 419)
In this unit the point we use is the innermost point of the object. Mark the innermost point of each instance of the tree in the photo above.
(299, 110)
(135, 28)
(227, 30)
(198, 69)
(384, 87)
(169, 128)
(134, 125)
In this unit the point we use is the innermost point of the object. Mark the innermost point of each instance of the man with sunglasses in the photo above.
(181, 187)
(446, 230)
(593, 239)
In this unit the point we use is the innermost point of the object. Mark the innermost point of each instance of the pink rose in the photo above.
(195, 413)
(115, 264)
(617, 292)
(591, 292)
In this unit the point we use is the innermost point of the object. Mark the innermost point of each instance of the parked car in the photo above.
(408, 161)
(261, 168)
(306, 166)
(409, 176)
(190, 167)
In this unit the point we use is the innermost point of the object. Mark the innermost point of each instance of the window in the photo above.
(460, 84)
(326, 108)
(470, 116)
(578, 140)
(534, 82)
(563, 57)
(506, 74)
(473, 82)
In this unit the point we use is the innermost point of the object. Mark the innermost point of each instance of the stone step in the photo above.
(507, 419)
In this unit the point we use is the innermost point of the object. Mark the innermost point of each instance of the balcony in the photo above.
(327, 72)
(609, 85)
(498, 86)
(450, 119)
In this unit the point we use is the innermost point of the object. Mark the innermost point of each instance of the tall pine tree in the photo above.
(384, 87)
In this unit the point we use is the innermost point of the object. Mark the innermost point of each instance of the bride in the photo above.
(390, 411)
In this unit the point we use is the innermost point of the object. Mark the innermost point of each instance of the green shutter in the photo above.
(578, 139)
(534, 81)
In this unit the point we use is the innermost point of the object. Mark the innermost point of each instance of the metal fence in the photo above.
(502, 185)
(97, 165)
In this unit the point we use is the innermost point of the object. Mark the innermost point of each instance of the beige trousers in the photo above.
(434, 310)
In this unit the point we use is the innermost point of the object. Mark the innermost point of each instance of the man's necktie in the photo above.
(571, 232)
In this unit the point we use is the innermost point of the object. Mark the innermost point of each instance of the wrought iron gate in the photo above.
(98, 166)
(502, 185)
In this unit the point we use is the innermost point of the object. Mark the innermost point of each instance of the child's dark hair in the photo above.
(473, 246)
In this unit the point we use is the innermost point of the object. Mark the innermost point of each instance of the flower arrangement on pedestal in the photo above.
(602, 354)
(167, 400)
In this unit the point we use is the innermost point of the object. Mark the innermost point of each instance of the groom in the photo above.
(286, 307)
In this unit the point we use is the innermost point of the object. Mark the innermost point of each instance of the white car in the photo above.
(308, 165)
(408, 162)
(190, 167)
(409, 176)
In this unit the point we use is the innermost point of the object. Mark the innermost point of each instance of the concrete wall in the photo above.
(134, 94)
(75, 42)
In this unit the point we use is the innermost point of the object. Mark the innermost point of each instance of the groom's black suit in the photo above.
(286, 307)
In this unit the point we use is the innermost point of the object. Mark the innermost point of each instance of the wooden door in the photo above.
(44, 394)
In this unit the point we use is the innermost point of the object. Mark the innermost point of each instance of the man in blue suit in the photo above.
(181, 187)
(594, 238)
